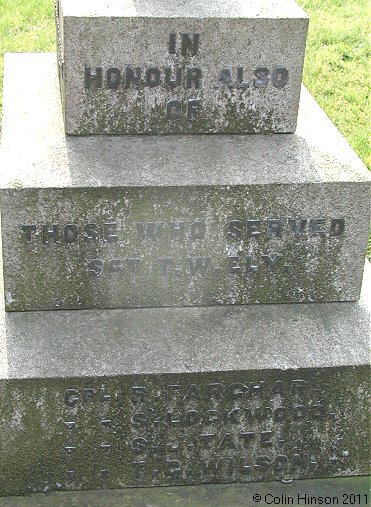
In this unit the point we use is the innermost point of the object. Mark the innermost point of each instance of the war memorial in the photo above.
(183, 241)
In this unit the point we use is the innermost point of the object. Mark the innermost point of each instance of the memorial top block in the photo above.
(174, 67)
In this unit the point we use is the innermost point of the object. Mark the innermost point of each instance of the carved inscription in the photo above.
(153, 235)
(179, 433)
(186, 76)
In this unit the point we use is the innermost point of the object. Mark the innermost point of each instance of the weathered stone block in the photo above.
(175, 396)
(344, 489)
(168, 66)
(105, 222)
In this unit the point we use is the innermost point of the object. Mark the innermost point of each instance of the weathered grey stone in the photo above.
(172, 216)
(169, 66)
(210, 495)
(175, 396)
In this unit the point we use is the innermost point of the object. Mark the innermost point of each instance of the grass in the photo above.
(25, 25)
(336, 67)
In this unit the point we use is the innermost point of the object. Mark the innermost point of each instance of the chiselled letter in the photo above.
(193, 77)
(279, 414)
(237, 390)
(151, 230)
(90, 233)
(266, 438)
(50, 234)
(192, 393)
(225, 77)
(28, 230)
(173, 109)
(193, 108)
(104, 396)
(252, 228)
(240, 81)
(257, 389)
(191, 417)
(138, 394)
(227, 442)
(113, 78)
(280, 461)
(233, 264)
(316, 226)
(176, 230)
(261, 77)
(190, 45)
(337, 226)
(70, 233)
(139, 445)
(206, 439)
(278, 388)
(234, 229)
(88, 393)
(272, 260)
(247, 437)
(172, 42)
(244, 467)
(198, 230)
(152, 77)
(138, 468)
(215, 390)
(172, 390)
(198, 264)
(174, 468)
(165, 263)
(173, 419)
(110, 232)
(171, 80)
(95, 267)
(139, 420)
(297, 226)
(250, 267)
(133, 76)
(71, 397)
(318, 411)
(263, 463)
(298, 386)
(274, 227)
(280, 77)
(212, 416)
(299, 412)
(93, 78)
(232, 415)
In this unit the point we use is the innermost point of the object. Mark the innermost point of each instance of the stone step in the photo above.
(104, 222)
(179, 396)
(170, 67)
(343, 489)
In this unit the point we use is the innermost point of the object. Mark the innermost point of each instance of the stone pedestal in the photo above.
(100, 222)
(154, 67)
(170, 373)
(179, 396)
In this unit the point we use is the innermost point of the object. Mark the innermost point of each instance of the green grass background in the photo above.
(336, 67)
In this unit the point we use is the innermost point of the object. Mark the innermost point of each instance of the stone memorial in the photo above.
(156, 67)
(126, 392)
(174, 396)
(123, 222)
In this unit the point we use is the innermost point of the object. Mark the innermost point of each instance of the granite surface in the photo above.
(151, 397)
(172, 67)
(347, 489)
(104, 222)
